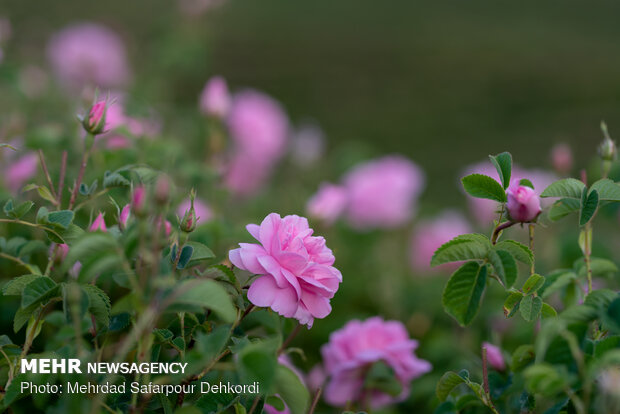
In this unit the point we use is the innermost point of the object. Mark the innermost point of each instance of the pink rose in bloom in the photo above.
(89, 53)
(99, 224)
(562, 158)
(123, 219)
(430, 234)
(523, 204)
(494, 356)
(354, 348)
(328, 203)
(19, 171)
(297, 277)
(202, 209)
(215, 98)
(383, 193)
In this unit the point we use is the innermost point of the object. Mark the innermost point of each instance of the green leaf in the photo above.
(579, 314)
(23, 315)
(563, 208)
(503, 165)
(556, 281)
(521, 357)
(462, 294)
(46, 194)
(512, 303)
(447, 383)
(526, 183)
(547, 311)
(505, 266)
(206, 293)
(186, 255)
(8, 146)
(381, 377)
(565, 188)
(201, 253)
(290, 388)
(600, 299)
(483, 186)
(518, 250)
(62, 218)
(16, 286)
(99, 306)
(38, 290)
(114, 179)
(589, 204)
(257, 361)
(533, 283)
(21, 210)
(599, 267)
(530, 307)
(607, 190)
(163, 335)
(544, 379)
(463, 247)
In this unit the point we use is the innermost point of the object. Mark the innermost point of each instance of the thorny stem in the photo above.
(499, 228)
(485, 381)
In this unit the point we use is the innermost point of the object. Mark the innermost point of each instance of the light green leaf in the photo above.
(257, 361)
(563, 208)
(505, 266)
(589, 204)
(566, 188)
(288, 386)
(99, 306)
(60, 219)
(518, 250)
(463, 247)
(607, 190)
(530, 307)
(533, 283)
(462, 294)
(511, 304)
(447, 383)
(503, 165)
(483, 186)
(526, 183)
(547, 311)
(201, 253)
(208, 294)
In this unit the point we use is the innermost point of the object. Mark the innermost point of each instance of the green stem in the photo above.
(531, 239)
(499, 229)
(25, 223)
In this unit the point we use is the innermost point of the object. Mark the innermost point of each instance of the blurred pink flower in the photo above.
(307, 144)
(523, 203)
(20, 170)
(562, 158)
(138, 200)
(258, 127)
(359, 344)
(89, 53)
(202, 209)
(383, 193)
(430, 234)
(494, 356)
(328, 203)
(61, 251)
(485, 211)
(316, 378)
(215, 98)
(124, 217)
(297, 277)
(99, 224)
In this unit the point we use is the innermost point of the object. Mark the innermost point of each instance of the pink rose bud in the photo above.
(138, 201)
(124, 217)
(523, 204)
(99, 224)
(189, 220)
(494, 356)
(562, 158)
(215, 98)
(61, 251)
(167, 228)
(297, 276)
(94, 123)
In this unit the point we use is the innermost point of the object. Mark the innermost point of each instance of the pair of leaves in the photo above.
(483, 186)
(192, 254)
(527, 301)
(450, 380)
(35, 290)
(17, 212)
(198, 293)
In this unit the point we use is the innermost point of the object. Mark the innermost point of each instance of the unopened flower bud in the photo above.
(607, 149)
(99, 224)
(523, 204)
(94, 122)
(138, 201)
(124, 217)
(188, 222)
(494, 356)
(162, 190)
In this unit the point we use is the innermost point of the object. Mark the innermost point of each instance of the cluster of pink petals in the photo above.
(258, 127)
(89, 54)
(215, 98)
(377, 194)
(485, 211)
(430, 234)
(297, 279)
(523, 204)
(204, 213)
(352, 349)
(98, 224)
(19, 170)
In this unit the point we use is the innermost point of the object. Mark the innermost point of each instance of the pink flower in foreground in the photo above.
(523, 204)
(354, 348)
(328, 203)
(202, 209)
(215, 98)
(430, 234)
(562, 158)
(383, 193)
(88, 53)
(18, 172)
(494, 356)
(297, 279)
(123, 219)
(99, 224)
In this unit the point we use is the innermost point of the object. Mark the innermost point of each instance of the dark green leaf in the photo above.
(521, 357)
(38, 291)
(208, 294)
(200, 254)
(518, 250)
(530, 307)
(463, 247)
(533, 283)
(563, 208)
(60, 219)
(504, 265)
(257, 362)
(447, 383)
(186, 255)
(503, 165)
(16, 286)
(462, 294)
(526, 183)
(99, 306)
(565, 188)
(589, 204)
(607, 190)
(482, 186)
(512, 303)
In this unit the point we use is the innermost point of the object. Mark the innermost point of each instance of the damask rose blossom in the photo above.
(297, 279)
(215, 98)
(494, 356)
(354, 348)
(20, 170)
(430, 234)
(328, 203)
(383, 193)
(523, 204)
(99, 224)
(89, 54)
